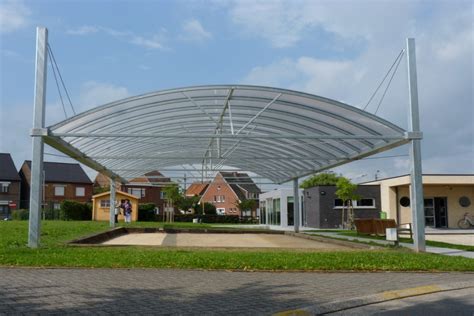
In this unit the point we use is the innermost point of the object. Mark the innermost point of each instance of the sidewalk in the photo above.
(437, 250)
(194, 292)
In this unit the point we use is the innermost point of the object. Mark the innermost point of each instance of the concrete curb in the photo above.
(340, 242)
(340, 305)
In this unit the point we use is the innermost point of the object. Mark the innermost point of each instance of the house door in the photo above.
(4, 211)
(441, 212)
(436, 212)
(429, 212)
(290, 210)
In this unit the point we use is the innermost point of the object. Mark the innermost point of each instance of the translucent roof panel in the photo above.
(275, 133)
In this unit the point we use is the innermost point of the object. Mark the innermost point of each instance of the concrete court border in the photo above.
(96, 240)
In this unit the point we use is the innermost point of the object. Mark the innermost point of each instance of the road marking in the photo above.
(414, 291)
(293, 312)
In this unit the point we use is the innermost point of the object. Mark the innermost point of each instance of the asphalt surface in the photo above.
(191, 292)
(456, 302)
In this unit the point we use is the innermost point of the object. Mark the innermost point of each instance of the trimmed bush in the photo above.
(75, 211)
(20, 215)
(208, 218)
(209, 209)
(146, 212)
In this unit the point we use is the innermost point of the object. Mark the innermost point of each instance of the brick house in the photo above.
(147, 188)
(228, 189)
(9, 186)
(197, 189)
(62, 181)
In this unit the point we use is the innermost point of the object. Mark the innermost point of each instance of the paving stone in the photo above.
(190, 292)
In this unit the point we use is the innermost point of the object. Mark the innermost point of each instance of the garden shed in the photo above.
(101, 205)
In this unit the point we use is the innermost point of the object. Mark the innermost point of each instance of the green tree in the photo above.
(185, 203)
(346, 192)
(172, 194)
(246, 205)
(325, 178)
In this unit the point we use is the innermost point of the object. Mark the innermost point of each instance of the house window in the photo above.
(219, 198)
(162, 195)
(247, 213)
(80, 191)
(138, 192)
(59, 190)
(56, 206)
(362, 203)
(104, 203)
(4, 186)
(220, 211)
(366, 203)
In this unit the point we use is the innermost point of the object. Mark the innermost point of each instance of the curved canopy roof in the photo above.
(275, 133)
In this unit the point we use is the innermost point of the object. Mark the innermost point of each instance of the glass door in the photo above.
(441, 212)
(429, 212)
(290, 210)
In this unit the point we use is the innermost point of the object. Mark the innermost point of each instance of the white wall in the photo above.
(283, 195)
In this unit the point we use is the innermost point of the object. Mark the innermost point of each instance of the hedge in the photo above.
(146, 212)
(75, 211)
(20, 215)
(208, 218)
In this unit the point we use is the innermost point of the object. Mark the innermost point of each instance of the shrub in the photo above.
(75, 211)
(20, 215)
(208, 218)
(146, 212)
(209, 209)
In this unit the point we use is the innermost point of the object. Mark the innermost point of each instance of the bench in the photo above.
(376, 226)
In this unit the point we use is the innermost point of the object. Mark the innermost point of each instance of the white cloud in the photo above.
(444, 40)
(95, 93)
(194, 31)
(152, 42)
(16, 119)
(285, 23)
(83, 30)
(306, 74)
(13, 16)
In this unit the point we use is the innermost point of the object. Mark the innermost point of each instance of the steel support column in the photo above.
(417, 205)
(34, 229)
(112, 203)
(296, 205)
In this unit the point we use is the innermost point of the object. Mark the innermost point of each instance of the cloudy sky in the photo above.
(108, 50)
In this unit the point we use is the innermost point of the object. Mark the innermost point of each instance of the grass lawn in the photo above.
(55, 253)
(410, 241)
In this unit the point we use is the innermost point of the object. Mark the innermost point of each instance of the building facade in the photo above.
(147, 188)
(277, 208)
(228, 189)
(446, 198)
(62, 181)
(9, 186)
(323, 209)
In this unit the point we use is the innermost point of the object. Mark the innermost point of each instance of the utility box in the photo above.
(391, 234)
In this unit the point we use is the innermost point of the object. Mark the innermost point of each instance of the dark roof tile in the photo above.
(7, 168)
(63, 172)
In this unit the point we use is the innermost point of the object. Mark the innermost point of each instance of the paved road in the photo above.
(459, 303)
(188, 292)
